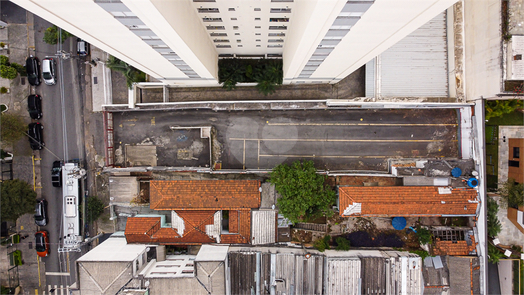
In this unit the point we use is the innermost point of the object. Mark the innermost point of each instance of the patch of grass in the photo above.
(515, 118)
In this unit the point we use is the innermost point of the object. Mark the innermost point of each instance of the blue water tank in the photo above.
(473, 182)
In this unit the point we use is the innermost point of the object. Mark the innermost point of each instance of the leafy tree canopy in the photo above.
(494, 226)
(131, 74)
(304, 192)
(512, 193)
(8, 72)
(95, 207)
(498, 108)
(18, 198)
(424, 235)
(51, 35)
(12, 128)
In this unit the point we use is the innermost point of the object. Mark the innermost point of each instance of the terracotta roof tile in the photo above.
(204, 194)
(457, 248)
(407, 201)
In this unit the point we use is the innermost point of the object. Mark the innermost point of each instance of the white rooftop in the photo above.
(114, 249)
(212, 253)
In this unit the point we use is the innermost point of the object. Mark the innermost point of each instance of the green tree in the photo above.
(498, 108)
(19, 68)
(494, 226)
(4, 60)
(95, 208)
(18, 198)
(494, 254)
(424, 235)
(51, 35)
(343, 244)
(8, 72)
(323, 243)
(131, 74)
(512, 193)
(268, 76)
(304, 193)
(12, 127)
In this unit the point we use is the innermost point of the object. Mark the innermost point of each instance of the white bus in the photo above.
(71, 174)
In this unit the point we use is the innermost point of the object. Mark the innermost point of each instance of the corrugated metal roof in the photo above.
(343, 276)
(263, 226)
(417, 66)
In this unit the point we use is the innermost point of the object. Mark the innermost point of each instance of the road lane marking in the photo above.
(357, 124)
(343, 140)
(50, 273)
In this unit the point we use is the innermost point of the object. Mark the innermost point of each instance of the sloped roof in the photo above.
(406, 201)
(454, 248)
(150, 230)
(204, 194)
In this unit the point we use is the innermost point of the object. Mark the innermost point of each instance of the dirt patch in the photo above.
(363, 180)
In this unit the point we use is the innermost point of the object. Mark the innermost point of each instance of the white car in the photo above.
(49, 70)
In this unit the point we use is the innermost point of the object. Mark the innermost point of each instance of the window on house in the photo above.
(279, 19)
(513, 163)
(225, 221)
(516, 152)
(208, 10)
(280, 10)
(212, 19)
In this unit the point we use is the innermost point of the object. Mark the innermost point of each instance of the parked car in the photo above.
(41, 213)
(82, 47)
(32, 67)
(42, 243)
(56, 174)
(34, 106)
(49, 71)
(36, 137)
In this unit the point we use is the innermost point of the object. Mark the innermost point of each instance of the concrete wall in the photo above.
(103, 277)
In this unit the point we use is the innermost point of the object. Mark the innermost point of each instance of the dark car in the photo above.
(34, 106)
(82, 47)
(41, 213)
(32, 66)
(36, 136)
(42, 243)
(56, 174)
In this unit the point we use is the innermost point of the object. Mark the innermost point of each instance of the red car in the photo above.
(42, 243)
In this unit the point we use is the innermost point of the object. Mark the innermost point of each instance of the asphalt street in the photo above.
(62, 106)
(333, 139)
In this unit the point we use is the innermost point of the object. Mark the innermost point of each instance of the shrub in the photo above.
(423, 254)
(95, 208)
(322, 244)
(4, 60)
(13, 128)
(512, 193)
(19, 68)
(424, 235)
(8, 72)
(494, 226)
(3, 90)
(494, 254)
(342, 244)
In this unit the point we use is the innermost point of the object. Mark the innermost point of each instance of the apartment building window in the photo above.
(512, 163)
(258, 45)
(223, 46)
(212, 19)
(278, 27)
(150, 37)
(275, 40)
(240, 45)
(280, 10)
(274, 45)
(258, 9)
(220, 40)
(239, 40)
(233, 18)
(258, 27)
(235, 27)
(237, 34)
(231, 9)
(208, 10)
(326, 46)
(257, 18)
(281, 0)
(276, 34)
(215, 27)
(279, 19)
(258, 34)
(516, 152)
(257, 40)
(218, 34)
(203, 0)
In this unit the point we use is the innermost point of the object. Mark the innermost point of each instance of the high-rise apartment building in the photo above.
(179, 42)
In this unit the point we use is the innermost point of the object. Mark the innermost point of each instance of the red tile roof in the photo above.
(149, 230)
(204, 194)
(406, 201)
(457, 248)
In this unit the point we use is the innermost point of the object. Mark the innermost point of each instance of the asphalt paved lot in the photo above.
(333, 139)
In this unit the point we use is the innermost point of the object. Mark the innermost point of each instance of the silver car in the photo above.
(49, 71)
